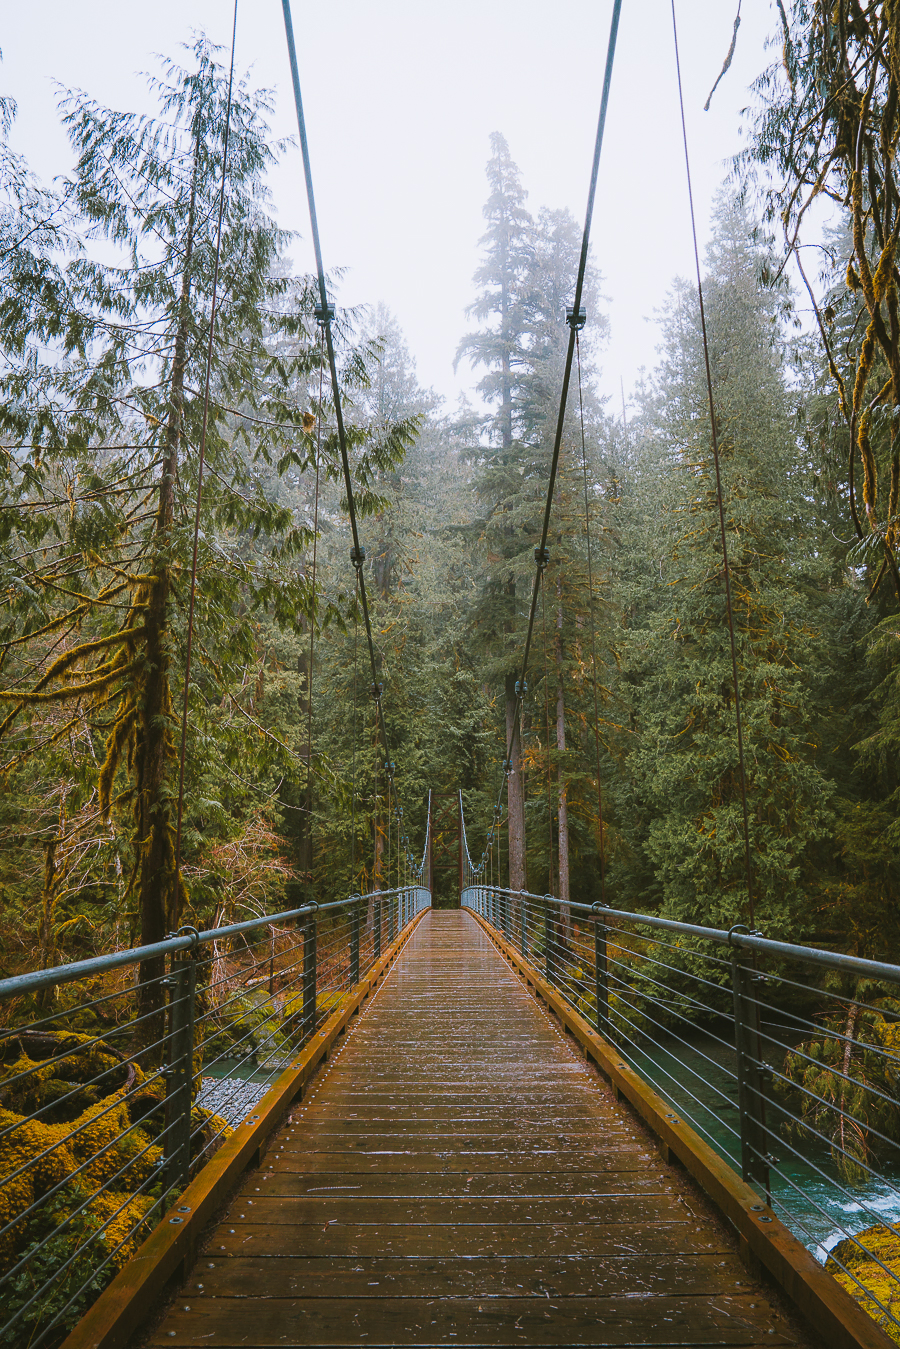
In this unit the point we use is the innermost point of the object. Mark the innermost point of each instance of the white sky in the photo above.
(400, 99)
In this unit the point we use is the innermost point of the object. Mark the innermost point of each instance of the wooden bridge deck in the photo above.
(458, 1176)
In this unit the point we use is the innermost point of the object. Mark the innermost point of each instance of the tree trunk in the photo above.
(515, 795)
(159, 905)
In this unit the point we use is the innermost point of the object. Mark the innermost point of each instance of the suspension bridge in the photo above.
(489, 1125)
(521, 1120)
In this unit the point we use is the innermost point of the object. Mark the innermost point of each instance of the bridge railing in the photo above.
(120, 1076)
(784, 1058)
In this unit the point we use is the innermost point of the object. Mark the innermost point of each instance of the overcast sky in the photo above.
(401, 97)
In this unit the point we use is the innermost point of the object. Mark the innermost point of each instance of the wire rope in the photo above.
(547, 730)
(201, 459)
(714, 438)
(312, 637)
(325, 317)
(353, 760)
(587, 529)
(541, 551)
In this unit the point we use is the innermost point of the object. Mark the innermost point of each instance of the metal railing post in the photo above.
(523, 925)
(393, 901)
(754, 1150)
(310, 973)
(355, 919)
(601, 977)
(376, 927)
(181, 983)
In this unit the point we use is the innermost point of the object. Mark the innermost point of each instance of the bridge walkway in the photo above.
(457, 1175)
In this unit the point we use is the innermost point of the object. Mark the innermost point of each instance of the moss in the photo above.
(35, 1083)
(94, 1215)
(866, 1276)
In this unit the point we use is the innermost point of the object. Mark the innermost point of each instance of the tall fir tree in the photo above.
(684, 763)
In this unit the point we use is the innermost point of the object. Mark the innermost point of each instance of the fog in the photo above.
(401, 97)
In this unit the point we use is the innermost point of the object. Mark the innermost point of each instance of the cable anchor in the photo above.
(325, 315)
(576, 321)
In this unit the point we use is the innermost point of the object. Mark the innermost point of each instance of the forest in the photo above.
(263, 772)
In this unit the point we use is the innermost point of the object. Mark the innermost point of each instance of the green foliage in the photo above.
(850, 1072)
(683, 757)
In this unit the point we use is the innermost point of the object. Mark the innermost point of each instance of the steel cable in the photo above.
(324, 315)
(540, 552)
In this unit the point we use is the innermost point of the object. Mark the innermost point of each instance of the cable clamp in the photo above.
(187, 931)
(521, 688)
(597, 906)
(737, 929)
(325, 315)
(376, 690)
(576, 321)
(312, 904)
(358, 556)
(542, 557)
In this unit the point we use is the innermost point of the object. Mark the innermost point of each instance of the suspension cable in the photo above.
(714, 437)
(547, 729)
(312, 629)
(353, 769)
(201, 459)
(541, 551)
(325, 314)
(587, 527)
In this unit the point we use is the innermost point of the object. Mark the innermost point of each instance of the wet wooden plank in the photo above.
(614, 1209)
(456, 1176)
(514, 1276)
(447, 1184)
(402, 1160)
(471, 1240)
(660, 1321)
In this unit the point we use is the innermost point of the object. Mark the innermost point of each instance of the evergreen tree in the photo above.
(500, 344)
(103, 472)
(685, 755)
